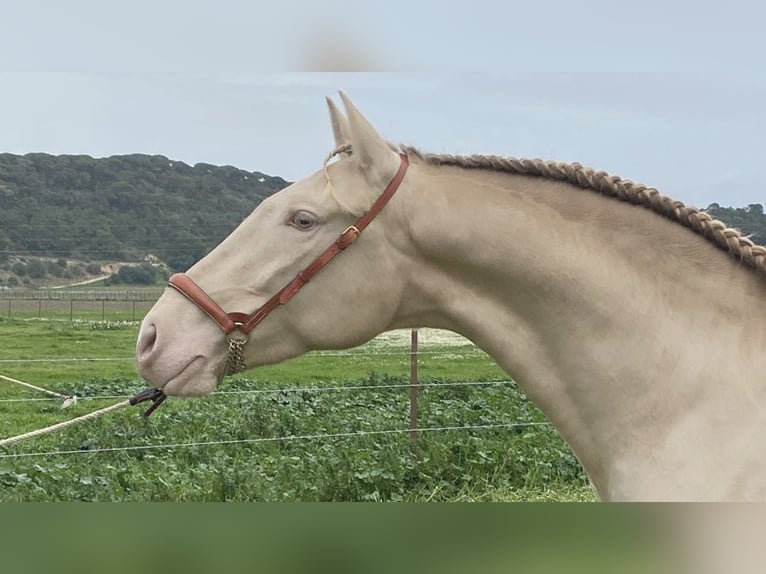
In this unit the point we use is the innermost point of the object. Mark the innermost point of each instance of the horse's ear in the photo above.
(339, 123)
(370, 151)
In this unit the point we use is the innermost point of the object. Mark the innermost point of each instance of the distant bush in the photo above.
(5, 244)
(19, 269)
(36, 269)
(143, 274)
(93, 268)
(53, 268)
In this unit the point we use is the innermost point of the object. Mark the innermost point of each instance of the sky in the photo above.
(659, 94)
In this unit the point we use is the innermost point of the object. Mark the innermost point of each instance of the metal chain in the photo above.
(234, 362)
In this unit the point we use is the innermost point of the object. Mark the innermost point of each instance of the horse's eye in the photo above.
(302, 220)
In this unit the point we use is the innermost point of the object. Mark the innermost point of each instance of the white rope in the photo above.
(73, 360)
(312, 389)
(403, 354)
(271, 439)
(33, 387)
(67, 400)
(126, 402)
(63, 425)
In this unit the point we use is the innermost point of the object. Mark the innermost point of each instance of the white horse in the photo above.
(634, 322)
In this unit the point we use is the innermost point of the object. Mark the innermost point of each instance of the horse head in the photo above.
(234, 301)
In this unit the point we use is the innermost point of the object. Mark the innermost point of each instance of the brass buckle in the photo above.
(350, 228)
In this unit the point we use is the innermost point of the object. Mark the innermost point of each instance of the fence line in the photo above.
(71, 360)
(81, 295)
(414, 385)
(308, 388)
(25, 306)
(271, 439)
(475, 352)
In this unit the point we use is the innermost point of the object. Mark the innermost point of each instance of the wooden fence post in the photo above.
(414, 386)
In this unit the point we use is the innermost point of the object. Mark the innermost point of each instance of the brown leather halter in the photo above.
(243, 322)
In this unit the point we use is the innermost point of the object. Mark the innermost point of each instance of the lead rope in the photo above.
(65, 424)
(68, 400)
(156, 396)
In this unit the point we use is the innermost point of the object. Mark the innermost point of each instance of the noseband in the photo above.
(237, 326)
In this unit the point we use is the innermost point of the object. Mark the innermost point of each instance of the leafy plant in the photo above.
(316, 428)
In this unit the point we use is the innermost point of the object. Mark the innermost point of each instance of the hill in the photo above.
(69, 218)
(122, 207)
(749, 220)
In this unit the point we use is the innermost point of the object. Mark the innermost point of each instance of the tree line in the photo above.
(122, 207)
(127, 207)
(749, 220)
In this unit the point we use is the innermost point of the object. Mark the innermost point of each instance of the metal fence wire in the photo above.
(57, 304)
(77, 303)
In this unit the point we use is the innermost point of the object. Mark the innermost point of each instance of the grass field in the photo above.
(78, 309)
(325, 426)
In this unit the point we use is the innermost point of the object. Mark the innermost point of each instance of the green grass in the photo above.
(490, 464)
(82, 310)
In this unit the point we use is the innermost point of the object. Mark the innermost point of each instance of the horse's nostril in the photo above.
(146, 340)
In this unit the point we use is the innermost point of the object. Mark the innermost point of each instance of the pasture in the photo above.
(326, 426)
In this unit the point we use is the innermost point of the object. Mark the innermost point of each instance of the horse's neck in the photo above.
(626, 329)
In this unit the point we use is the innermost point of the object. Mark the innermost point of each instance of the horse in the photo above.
(634, 322)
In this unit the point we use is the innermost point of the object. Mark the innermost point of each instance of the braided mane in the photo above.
(715, 231)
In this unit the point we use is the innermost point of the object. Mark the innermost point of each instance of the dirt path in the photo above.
(86, 282)
(425, 336)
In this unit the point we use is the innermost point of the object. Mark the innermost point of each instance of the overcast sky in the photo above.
(175, 78)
